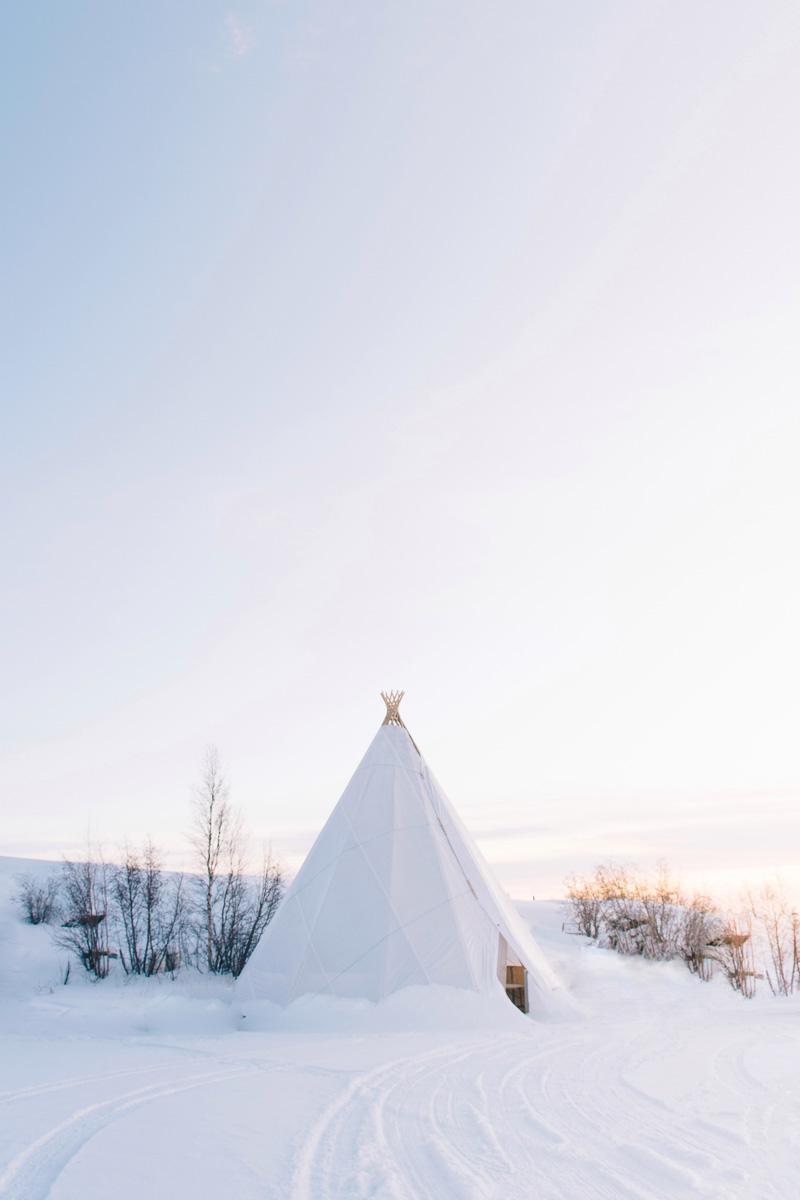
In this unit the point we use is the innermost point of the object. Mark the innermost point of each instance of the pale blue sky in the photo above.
(444, 346)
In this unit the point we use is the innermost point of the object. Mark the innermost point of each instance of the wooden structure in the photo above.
(517, 986)
(512, 975)
(392, 702)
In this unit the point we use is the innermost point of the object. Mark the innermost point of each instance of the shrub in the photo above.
(651, 917)
(84, 931)
(37, 899)
(733, 950)
(149, 913)
(699, 929)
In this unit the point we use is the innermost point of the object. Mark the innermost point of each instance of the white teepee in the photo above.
(394, 893)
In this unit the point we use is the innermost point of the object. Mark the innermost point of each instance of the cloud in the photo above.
(240, 39)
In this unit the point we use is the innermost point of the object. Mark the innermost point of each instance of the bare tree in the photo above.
(585, 905)
(623, 919)
(700, 927)
(212, 837)
(84, 932)
(733, 950)
(247, 907)
(661, 904)
(37, 899)
(149, 913)
(234, 907)
(771, 910)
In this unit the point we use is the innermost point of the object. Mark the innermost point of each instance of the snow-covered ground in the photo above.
(660, 1087)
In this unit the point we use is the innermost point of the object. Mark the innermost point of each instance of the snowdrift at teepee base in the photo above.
(395, 895)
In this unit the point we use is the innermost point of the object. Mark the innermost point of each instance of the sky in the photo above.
(450, 347)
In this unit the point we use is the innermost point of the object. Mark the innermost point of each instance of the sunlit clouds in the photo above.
(450, 348)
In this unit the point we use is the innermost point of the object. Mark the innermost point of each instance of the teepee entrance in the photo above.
(512, 975)
(517, 985)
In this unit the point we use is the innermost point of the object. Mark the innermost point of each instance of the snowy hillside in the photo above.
(660, 1087)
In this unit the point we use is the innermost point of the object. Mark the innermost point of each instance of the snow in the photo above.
(658, 1087)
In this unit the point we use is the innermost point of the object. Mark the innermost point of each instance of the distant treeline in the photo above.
(621, 909)
(154, 922)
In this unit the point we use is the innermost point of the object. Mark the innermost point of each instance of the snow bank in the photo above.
(423, 1008)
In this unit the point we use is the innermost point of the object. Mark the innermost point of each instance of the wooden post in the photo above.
(392, 702)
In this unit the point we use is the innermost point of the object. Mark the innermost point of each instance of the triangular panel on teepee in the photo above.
(394, 893)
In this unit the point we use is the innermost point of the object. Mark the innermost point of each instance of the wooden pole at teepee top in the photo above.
(392, 702)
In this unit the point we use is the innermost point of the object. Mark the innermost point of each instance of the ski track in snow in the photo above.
(32, 1173)
(551, 1117)
(576, 1111)
(45, 1089)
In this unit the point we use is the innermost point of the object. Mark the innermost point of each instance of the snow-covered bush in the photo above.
(37, 899)
(627, 912)
(652, 917)
(699, 928)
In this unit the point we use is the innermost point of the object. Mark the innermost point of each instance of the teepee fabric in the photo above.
(393, 893)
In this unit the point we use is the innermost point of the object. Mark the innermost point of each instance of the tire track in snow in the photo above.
(434, 1125)
(371, 1158)
(424, 1155)
(32, 1173)
(552, 1114)
(616, 1130)
(44, 1089)
(769, 1117)
(483, 1124)
(551, 1157)
(656, 1147)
